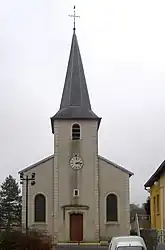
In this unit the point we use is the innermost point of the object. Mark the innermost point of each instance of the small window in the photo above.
(76, 132)
(76, 192)
(158, 204)
(154, 211)
(111, 208)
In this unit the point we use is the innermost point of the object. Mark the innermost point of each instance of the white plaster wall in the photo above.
(43, 185)
(116, 181)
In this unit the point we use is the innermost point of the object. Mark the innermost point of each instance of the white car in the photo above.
(127, 243)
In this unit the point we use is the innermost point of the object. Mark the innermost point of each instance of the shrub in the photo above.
(17, 240)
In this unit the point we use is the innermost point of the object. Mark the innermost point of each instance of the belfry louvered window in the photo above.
(76, 132)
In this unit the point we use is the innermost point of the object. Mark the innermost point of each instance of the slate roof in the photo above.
(116, 165)
(52, 157)
(36, 164)
(75, 102)
(156, 175)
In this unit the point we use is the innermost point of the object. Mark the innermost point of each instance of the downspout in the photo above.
(53, 201)
(148, 190)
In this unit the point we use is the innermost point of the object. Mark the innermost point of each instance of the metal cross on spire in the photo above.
(74, 17)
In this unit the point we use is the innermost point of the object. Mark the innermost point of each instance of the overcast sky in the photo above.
(122, 44)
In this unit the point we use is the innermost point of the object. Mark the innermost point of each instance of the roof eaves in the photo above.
(116, 166)
(53, 118)
(100, 157)
(156, 175)
(36, 164)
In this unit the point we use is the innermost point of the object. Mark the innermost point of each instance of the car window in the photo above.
(130, 248)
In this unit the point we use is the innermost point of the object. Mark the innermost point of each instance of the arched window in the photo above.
(40, 208)
(75, 131)
(111, 208)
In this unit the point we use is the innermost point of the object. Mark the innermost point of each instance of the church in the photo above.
(78, 196)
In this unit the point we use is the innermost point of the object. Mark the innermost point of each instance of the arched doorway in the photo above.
(76, 227)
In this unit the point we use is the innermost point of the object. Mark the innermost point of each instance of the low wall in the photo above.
(150, 238)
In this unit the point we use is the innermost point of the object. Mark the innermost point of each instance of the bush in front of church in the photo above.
(17, 240)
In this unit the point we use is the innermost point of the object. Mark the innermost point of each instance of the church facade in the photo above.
(78, 195)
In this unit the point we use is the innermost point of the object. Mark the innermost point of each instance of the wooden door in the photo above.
(76, 227)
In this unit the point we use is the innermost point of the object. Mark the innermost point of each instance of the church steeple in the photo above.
(75, 102)
(75, 93)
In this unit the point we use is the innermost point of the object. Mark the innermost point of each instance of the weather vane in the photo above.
(74, 17)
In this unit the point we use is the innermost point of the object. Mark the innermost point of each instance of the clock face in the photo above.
(76, 162)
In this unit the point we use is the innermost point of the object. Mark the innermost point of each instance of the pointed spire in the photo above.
(75, 93)
(75, 102)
